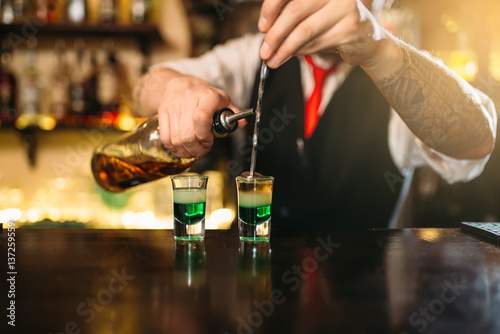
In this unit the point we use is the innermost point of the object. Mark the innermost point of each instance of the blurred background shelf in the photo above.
(148, 30)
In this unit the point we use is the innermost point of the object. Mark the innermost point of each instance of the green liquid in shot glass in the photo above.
(255, 208)
(189, 205)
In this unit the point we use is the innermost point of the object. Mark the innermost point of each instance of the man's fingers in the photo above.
(177, 133)
(269, 11)
(296, 26)
(291, 15)
(169, 134)
(164, 125)
(186, 120)
(202, 121)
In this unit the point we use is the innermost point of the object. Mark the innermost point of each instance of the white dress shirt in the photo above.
(232, 67)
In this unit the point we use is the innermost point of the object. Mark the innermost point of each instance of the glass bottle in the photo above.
(7, 11)
(77, 88)
(93, 11)
(31, 86)
(19, 7)
(8, 88)
(108, 87)
(76, 11)
(60, 85)
(50, 10)
(139, 11)
(139, 157)
(93, 107)
(123, 12)
(107, 11)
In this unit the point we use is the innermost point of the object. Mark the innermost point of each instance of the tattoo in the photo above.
(435, 106)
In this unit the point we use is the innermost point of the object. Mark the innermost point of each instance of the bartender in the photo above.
(349, 111)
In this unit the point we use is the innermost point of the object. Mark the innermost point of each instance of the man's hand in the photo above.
(185, 115)
(440, 108)
(302, 27)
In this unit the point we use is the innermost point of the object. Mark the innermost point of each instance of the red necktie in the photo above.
(314, 101)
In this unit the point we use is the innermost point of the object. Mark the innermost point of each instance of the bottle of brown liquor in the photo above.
(139, 157)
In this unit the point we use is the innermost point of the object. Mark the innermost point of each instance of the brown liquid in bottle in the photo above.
(119, 174)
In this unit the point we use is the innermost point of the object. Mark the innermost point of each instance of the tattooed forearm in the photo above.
(443, 112)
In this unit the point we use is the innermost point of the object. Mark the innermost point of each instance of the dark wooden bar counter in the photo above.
(141, 281)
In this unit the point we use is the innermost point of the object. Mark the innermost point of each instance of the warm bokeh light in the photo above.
(46, 122)
(33, 215)
(471, 69)
(80, 201)
(60, 183)
(220, 219)
(464, 63)
(449, 23)
(10, 215)
(126, 123)
(23, 121)
(430, 235)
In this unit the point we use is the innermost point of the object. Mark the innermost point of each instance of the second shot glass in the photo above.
(189, 197)
(254, 207)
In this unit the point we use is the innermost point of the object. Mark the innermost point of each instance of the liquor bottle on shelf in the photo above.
(123, 12)
(93, 10)
(60, 85)
(93, 106)
(31, 86)
(40, 7)
(139, 11)
(107, 11)
(108, 87)
(7, 9)
(76, 11)
(19, 7)
(78, 105)
(50, 10)
(8, 87)
(154, 11)
(139, 157)
(56, 10)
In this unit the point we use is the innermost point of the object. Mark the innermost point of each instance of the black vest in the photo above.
(343, 176)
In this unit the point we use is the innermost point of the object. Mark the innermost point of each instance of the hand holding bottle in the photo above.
(185, 115)
(138, 156)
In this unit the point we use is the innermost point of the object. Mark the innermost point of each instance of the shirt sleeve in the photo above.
(408, 152)
(231, 66)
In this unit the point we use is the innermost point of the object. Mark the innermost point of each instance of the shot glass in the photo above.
(254, 208)
(189, 197)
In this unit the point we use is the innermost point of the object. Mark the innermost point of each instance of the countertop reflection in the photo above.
(364, 281)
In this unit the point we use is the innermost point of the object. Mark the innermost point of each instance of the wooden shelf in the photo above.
(137, 30)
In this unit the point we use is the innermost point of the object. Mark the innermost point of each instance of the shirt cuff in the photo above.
(409, 152)
(451, 170)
